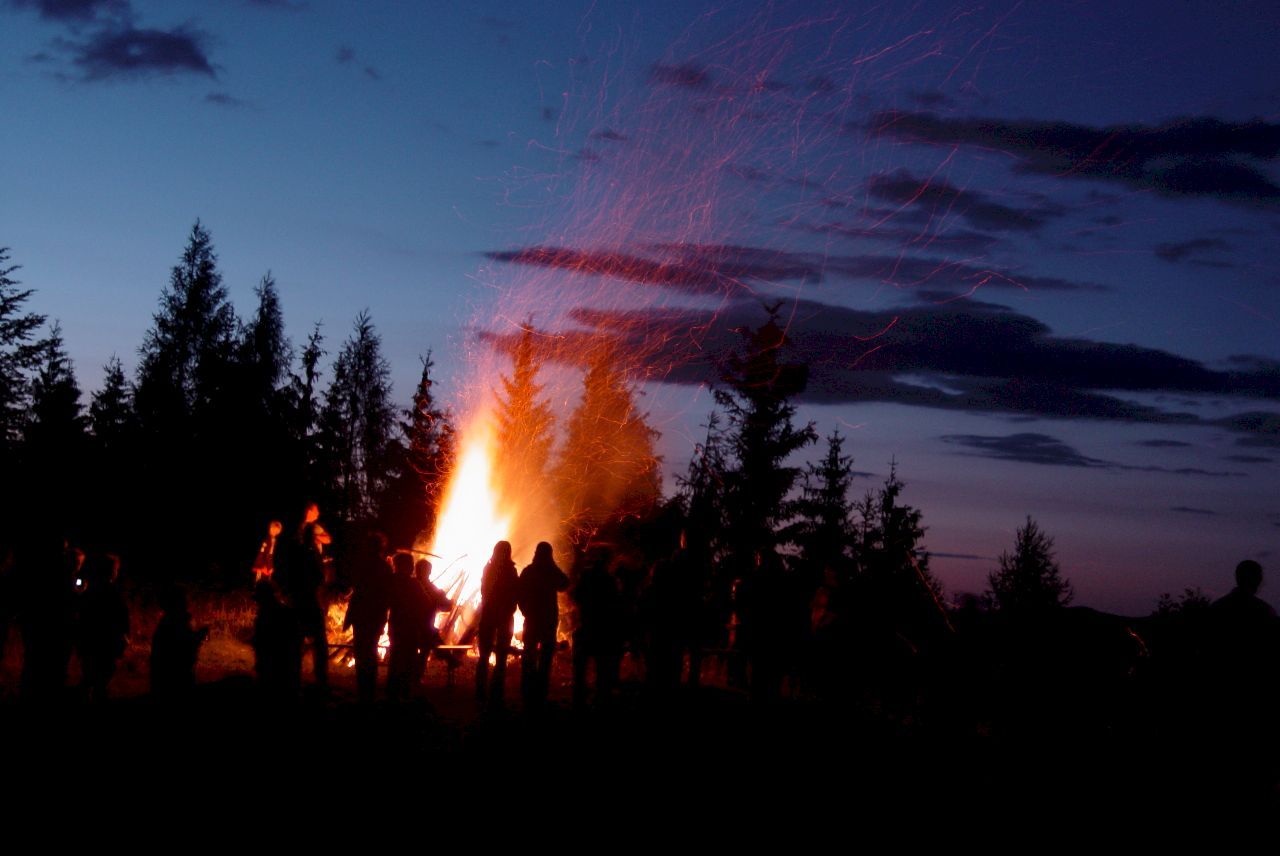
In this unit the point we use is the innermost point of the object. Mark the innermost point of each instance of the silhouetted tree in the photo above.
(265, 352)
(894, 565)
(1192, 600)
(702, 493)
(421, 462)
(825, 531)
(190, 418)
(19, 354)
(358, 422)
(757, 399)
(607, 468)
(1029, 579)
(186, 353)
(54, 439)
(525, 421)
(111, 417)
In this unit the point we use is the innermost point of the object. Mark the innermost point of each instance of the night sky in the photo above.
(1028, 252)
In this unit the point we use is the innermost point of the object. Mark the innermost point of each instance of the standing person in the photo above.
(540, 582)
(367, 612)
(436, 602)
(598, 635)
(499, 592)
(264, 564)
(302, 587)
(408, 618)
(174, 647)
(277, 648)
(102, 631)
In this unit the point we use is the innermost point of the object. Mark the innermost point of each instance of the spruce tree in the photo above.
(825, 533)
(607, 468)
(358, 422)
(186, 354)
(1029, 579)
(111, 417)
(895, 579)
(54, 439)
(19, 354)
(757, 398)
(423, 461)
(525, 421)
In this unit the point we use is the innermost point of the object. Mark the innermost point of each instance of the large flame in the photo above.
(471, 521)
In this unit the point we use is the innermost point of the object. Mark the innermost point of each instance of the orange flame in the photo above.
(470, 522)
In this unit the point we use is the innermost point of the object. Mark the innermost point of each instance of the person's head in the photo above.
(422, 569)
(310, 513)
(402, 564)
(274, 528)
(1249, 576)
(542, 553)
(502, 551)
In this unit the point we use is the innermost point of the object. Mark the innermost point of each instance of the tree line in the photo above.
(226, 425)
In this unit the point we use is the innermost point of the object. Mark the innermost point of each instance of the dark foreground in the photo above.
(708, 757)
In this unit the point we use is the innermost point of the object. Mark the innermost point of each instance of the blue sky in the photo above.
(1028, 252)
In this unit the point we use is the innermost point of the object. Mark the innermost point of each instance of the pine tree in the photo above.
(825, 533)
(1029, 579)
(56, 423)
(54, 439)
(186, 354)
(111, 417)
(762, 436)
(422, 463)
(607, 468)
(358, 422)
(265, 352)
(19, 354)
(525, 421)
(894, 565)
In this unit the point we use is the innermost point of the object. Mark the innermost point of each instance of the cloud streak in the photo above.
(1200, 156)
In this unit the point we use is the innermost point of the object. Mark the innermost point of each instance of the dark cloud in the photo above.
(683, 75)
(969, 557)
(127, 52)
(1031, 448)
(1186, 157)
(222, 99)
(717, 267)
(609, 135)
(76, 11)
(1262, 428)
(1027, 448)
(1164, 444)
(346, 55)
(1247, 459)
(929, 98)
(964, 355)
(1184, 250)
(943, 198)
(956, 240)
(695, 268)
(1186, 509)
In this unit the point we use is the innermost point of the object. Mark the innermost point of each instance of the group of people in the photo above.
(535, 591)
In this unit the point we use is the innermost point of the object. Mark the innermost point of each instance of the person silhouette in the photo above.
(302, 587)
(367, 612)
(499, 591)
(102, 631)
(174, 647)
(540, 583)
(277, 646)
(597, 636)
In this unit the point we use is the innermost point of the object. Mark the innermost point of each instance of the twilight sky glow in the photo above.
(1028, 252)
